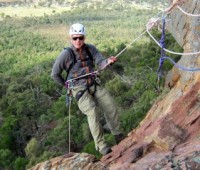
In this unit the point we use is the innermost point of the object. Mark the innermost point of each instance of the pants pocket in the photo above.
(86, 103)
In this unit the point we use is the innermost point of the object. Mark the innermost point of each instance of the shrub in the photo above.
(20, 163)
(33, 148)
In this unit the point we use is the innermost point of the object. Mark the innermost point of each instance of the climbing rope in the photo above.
(70, 100)
(186, 13)
(124, 49)
(164, 57)
(162, 44)
(69, 86)
(169, 51)
(152, 22)
(179, 66)
(177, 3)
(130, 44)
(101, 69)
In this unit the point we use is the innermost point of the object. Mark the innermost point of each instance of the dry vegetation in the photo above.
(13, 9)
(19, 12)
(52, 31)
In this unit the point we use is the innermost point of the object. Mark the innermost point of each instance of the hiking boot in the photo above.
(105, 150)
(119, 138)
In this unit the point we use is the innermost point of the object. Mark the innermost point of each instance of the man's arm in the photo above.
(100, 59)
(59, 66)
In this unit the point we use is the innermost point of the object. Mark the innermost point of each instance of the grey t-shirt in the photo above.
(65, 59)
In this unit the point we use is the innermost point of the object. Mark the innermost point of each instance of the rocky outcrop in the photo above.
(169, 136)
(167, 141)
(71, 161)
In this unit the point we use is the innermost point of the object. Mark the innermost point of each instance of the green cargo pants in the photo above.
(89, 106)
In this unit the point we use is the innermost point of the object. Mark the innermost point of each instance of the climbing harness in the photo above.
(95, 73)
(84, 60)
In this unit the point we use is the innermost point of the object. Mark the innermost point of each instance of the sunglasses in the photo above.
(76, 38)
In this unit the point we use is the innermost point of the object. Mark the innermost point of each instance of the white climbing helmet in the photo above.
(77, 29)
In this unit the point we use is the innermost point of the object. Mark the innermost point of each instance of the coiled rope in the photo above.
(164, 57)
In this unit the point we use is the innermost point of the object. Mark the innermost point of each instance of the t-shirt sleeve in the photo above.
(60, 64)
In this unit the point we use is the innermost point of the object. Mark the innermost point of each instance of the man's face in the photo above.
(77, 40)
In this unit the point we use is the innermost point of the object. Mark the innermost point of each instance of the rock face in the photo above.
(169, 136)
(71, 161)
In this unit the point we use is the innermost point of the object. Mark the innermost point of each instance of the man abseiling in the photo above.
(78, 60)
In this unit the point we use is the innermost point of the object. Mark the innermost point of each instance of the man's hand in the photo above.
(111, 60)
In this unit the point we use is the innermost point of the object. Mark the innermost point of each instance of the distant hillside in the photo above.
(35, 8)
(83, 3)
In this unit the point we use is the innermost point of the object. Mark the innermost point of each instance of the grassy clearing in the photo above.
(20, 12)
(37, 11)
(58, 32)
